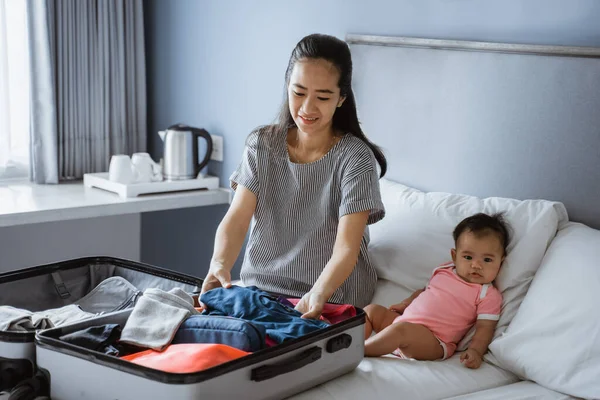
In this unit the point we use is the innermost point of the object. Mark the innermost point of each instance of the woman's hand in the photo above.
(311, 305)
(217, 276)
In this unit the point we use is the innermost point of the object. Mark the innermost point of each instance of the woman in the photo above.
(310, 186)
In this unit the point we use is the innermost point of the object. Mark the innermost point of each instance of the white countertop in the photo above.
(23, 202)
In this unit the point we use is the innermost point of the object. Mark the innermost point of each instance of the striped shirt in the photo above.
(298, 210)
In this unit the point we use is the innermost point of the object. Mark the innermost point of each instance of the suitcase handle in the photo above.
(298, 361)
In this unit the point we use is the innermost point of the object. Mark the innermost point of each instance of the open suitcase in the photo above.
(270, 373)
(69, 282)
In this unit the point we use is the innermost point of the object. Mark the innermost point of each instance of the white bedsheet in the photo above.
(525, 390)
(393, 378)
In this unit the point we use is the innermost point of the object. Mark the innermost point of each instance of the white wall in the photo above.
(37, 244)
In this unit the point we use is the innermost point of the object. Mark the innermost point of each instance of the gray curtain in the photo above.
(88, 85)
(43, 141)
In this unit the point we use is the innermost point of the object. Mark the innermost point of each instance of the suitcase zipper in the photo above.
(132, 300)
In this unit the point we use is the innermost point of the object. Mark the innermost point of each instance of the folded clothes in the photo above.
(21, 320)
(156, 318)
(186, 358)
(98, 338)
(333, 313)
(286, 302)
(114, 293)
(234, 332)
(252, 304)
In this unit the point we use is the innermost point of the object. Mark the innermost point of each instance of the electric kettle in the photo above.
(181, 149)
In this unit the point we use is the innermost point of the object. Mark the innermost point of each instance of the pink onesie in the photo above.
(450, 306)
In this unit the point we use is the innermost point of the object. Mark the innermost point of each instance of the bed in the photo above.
(468, 127)
(524, 390)
(392, 378)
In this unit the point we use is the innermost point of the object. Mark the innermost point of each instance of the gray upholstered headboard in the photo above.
(485, 119)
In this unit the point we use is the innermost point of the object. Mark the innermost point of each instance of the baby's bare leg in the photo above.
(378, 318)
(414, 340)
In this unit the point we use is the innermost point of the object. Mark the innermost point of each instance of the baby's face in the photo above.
(478, 257)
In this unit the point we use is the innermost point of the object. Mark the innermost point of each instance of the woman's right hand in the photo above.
(218, 276)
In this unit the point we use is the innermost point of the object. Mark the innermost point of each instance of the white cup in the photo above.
(146, 169)
(121, 169)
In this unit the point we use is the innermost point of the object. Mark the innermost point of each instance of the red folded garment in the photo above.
(186, 358)
(333, 313)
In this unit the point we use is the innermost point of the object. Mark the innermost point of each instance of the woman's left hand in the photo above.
(311, 305)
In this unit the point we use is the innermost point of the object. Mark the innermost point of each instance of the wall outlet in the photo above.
(217, 148)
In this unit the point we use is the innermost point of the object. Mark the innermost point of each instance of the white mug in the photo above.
(145, 168)
(121, 169)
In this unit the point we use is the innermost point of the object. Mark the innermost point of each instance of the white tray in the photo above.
(100, 180)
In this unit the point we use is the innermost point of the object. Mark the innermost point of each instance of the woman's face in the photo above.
(314, 95)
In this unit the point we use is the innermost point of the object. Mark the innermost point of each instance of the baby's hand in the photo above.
(471, 359)
(399, 308)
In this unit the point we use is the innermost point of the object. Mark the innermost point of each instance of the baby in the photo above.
(429, 324)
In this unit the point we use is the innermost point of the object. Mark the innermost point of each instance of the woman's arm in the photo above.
(351, 228)
(230, 238)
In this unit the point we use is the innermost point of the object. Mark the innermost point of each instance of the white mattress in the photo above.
(392, 378)
(524, 390)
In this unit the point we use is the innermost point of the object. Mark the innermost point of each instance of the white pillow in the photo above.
(415, 237)
(554, 339)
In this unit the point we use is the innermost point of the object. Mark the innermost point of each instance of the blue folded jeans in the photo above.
(252, 304)
(234, 332)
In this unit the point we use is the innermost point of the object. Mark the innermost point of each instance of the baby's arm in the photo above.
(484, 333)
(400, 307)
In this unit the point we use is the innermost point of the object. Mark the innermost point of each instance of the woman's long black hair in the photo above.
(345, 119)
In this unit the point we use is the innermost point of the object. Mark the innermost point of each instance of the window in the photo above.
(14, 90)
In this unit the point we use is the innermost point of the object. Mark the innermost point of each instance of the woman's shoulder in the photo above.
(355, 149)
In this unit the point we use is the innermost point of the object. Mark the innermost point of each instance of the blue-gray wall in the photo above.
(31, 245)
(220, 65)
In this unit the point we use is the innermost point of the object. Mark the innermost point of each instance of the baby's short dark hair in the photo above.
(482, 223)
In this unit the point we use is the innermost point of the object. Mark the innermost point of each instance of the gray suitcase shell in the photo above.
(272, 373)
(58, 284)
